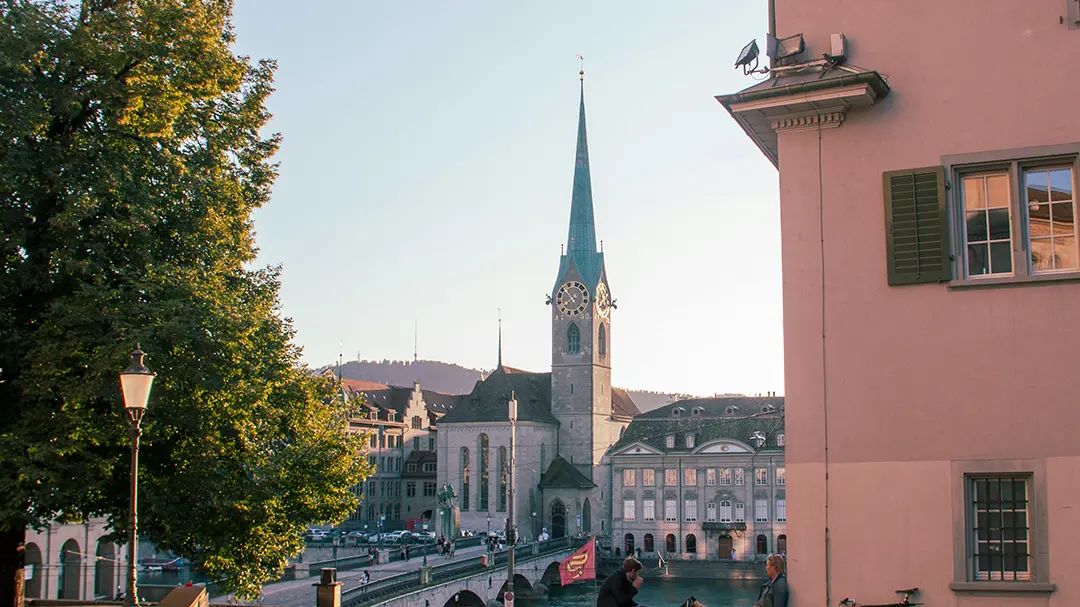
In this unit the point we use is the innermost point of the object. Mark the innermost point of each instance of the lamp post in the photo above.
(489, 523)
(135, 382)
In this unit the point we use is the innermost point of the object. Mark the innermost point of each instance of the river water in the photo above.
(657, 592)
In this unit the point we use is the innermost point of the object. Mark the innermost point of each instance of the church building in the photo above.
(566, 418)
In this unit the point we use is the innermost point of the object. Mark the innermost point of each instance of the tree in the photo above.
(133, 156)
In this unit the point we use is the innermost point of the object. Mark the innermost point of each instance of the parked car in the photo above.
(425, 537)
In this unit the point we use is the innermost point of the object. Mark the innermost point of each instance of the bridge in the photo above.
(468, 582)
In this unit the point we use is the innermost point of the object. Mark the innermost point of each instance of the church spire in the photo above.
(500, 339)
(582, 238)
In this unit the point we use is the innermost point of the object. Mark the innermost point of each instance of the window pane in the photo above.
(978, 259)
(1065, 253)
(1036, 186)
(1042, 254)
(1062, 215)
(1000, 257)
(976, 226)
(999, 224)
(997, 191)
(1061, 184)
(974, 193)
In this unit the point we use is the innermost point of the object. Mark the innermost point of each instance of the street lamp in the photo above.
(489, 523)
(135, 382)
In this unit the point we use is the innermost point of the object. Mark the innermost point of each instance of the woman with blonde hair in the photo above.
(774, 593)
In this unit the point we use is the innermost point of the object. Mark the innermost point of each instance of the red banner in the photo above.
(580, 566)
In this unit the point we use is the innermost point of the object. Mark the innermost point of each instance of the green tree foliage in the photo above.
(131, 159)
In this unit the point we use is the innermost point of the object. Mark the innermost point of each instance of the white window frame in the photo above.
(690, 510)
(690, 477)
(781, 477)
(648, 477)
(671, 510)
(628, 478)
(648, 510)
(710, 477)
(628, 510)
(725, 477)
(1013, 162)
(761, 510)
(781, 510)
(710, 512)
(740, 477)
(669, 441)
(671, 477)
(689, 441)
(780, 440)
(740, 512)
(761, 477)
(725, 511)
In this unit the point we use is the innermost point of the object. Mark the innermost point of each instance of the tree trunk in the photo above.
(12, 564)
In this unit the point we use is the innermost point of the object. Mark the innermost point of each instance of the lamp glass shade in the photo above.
(135, 382)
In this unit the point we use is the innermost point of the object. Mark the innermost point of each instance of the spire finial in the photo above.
(500, 337)
(415, 352)
(581, 74)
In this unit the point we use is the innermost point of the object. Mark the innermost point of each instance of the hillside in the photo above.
(455, 379)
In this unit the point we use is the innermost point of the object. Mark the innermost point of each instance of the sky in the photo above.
(426, 171)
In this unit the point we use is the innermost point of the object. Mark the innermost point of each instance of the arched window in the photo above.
(573, 339)
(543, 458)
(691, 544)
(464, 478)
(501, 506)
(762, 544)
(586, 516)
(669, 543)
(601, 340)
(484, 472)
(781, 545)
(649, 547)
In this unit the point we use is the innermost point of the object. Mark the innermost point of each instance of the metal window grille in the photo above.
(1000, 531)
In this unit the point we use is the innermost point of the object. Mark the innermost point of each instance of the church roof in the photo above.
(622, 405)
(737, 418)
(561, 474)
(581, 252)
(489, 399)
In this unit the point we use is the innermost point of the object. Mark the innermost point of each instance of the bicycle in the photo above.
(906, 602)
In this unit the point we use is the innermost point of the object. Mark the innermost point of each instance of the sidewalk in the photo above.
(301, 593)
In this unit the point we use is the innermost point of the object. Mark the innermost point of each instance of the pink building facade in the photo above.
(928, 176)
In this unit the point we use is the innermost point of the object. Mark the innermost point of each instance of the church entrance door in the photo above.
(558, 519)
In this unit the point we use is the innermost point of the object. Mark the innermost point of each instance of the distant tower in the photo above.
(581, 327)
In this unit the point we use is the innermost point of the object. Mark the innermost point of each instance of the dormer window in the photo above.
(677, 411)
(758, 439)
(670, 441)
(390, 416)
(767, 408)
(373, 415)
(696, 411)
(731, 410)
(779, 440)
(689, 441)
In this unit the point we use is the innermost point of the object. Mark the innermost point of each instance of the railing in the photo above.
(397, 585)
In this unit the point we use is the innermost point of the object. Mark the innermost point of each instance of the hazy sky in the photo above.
(426, 174)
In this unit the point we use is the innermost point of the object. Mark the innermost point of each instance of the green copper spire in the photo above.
(581, 241)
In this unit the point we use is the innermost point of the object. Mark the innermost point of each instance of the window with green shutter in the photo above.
(916, 226)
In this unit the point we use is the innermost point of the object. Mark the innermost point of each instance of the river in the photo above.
(657, 592)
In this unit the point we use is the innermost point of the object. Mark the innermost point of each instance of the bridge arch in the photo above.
(465, 598)
(522, 585)
(551, 576)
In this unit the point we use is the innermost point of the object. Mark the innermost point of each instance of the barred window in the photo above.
(1000, 548)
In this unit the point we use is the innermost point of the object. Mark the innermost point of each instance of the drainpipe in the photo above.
(772, 33)
(679, 509)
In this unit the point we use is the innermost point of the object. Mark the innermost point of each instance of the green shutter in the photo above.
(916, 226)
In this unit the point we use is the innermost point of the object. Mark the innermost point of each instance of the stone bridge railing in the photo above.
(394, 586)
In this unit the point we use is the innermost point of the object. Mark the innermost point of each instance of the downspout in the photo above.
(679, 505)
(771, 33)
(824, 374)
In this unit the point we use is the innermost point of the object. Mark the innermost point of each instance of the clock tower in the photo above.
(581, 310)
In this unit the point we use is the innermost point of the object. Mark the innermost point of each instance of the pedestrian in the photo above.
(366, 578)
(733, 554)
(774, 593)
(453, 547)
(620, 587)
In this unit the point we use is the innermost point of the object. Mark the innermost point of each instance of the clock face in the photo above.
(603, 301)
(572, 298)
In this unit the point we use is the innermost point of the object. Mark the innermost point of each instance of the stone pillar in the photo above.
(328, 590)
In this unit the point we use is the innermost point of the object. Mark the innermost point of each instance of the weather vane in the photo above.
(582, 72)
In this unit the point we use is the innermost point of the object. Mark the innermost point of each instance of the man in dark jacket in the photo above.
(619, 589)
(774, 593)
